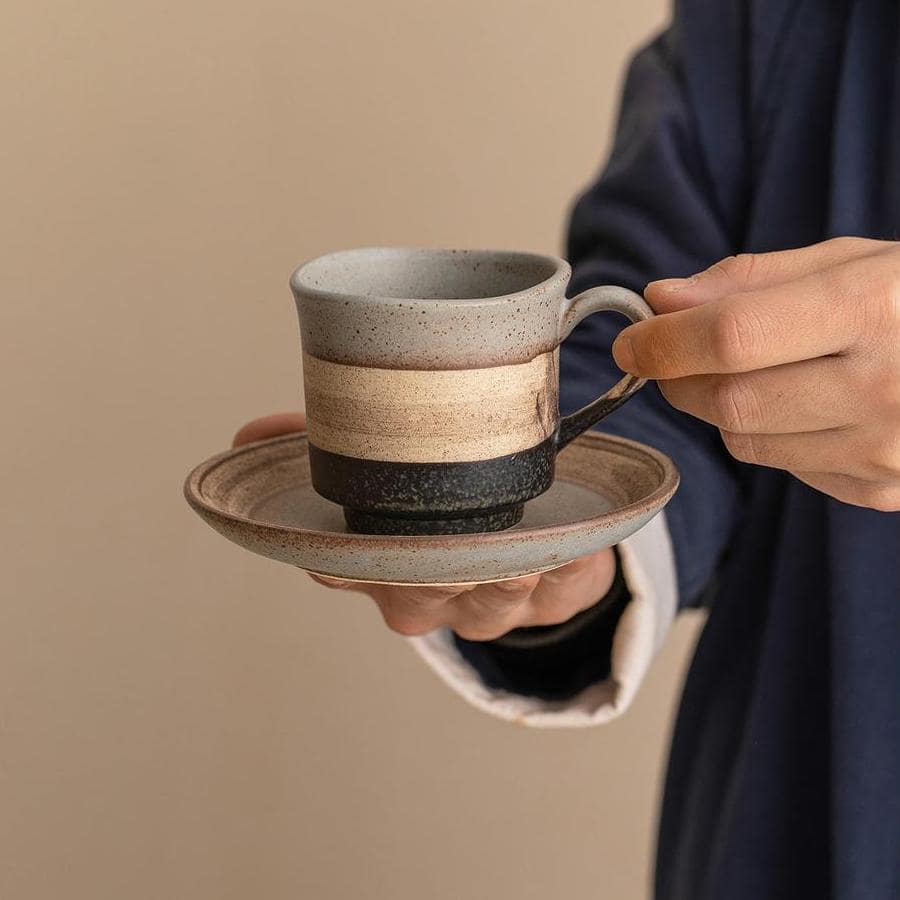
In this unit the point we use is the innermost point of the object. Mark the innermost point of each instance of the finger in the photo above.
(881, 496)
(546, 599)
(479, 613)
(813, 316)
(413, 596)
(270, 426)
(831, 452)
(329, 582)
(812, 395)
(491, 610)
(564, 592)
(412, 621)
(342, 584)
(755, 271)
(414, 610)
(868, 452)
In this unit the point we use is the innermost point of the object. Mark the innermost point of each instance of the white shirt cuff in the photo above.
(648, 566)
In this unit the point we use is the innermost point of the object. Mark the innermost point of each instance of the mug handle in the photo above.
(600, 299)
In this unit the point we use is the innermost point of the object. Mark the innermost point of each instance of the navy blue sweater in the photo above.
(752, 126)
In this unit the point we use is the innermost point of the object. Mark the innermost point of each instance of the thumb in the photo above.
(269, 427)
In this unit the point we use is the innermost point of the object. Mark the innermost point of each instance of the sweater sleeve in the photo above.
(668, 203)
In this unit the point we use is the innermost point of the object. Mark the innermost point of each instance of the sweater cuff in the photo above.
(553, 662)
(638, 630)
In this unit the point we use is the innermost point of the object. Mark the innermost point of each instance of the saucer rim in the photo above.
(436, 584)
(656, 499)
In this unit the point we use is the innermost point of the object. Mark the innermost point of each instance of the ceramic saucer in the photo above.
(259, 496)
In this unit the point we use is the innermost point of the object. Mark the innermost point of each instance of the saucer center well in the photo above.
(301, 507)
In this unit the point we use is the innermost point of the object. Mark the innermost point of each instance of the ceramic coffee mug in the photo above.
(432, 382)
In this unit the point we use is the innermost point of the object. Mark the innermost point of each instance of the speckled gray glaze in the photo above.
(259, 496)
(430, 309)
(431, 380)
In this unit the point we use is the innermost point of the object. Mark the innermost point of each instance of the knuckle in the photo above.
(735, 336)
(488, 610)
(487, 617)
(420, 603)
(734, 405)
(407, 624)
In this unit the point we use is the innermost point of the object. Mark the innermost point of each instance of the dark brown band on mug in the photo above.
(432, 490)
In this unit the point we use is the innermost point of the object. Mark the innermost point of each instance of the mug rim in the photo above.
(300, 284)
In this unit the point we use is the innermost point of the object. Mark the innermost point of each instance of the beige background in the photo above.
(179, 719)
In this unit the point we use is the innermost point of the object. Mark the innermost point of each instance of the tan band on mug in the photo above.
(403, 415)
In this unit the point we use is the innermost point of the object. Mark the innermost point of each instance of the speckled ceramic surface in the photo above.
(260, 497)
(431, 382)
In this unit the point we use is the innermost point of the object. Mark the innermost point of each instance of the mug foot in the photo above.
(485, 520)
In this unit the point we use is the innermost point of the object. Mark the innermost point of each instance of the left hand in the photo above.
(794, 356)
(476, 612)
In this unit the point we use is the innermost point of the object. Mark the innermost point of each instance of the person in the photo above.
(756, 171)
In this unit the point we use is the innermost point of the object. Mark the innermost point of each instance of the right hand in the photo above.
(476, 612)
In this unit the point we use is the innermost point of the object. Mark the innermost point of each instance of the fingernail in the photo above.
(623, 353)
(672, 285)
(327, 580)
